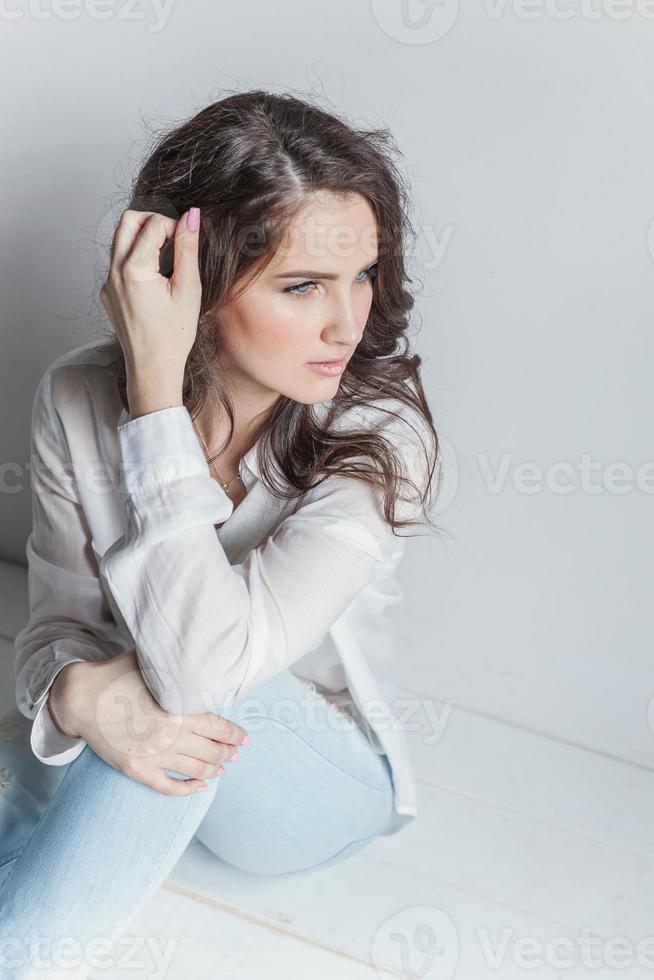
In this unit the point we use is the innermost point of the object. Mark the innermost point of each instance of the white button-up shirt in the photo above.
(124, 553)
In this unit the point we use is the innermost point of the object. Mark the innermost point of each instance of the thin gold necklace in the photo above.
(207, 454)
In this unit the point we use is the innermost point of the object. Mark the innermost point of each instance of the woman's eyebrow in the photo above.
(317, 275)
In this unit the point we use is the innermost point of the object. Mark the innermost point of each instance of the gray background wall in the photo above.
(527, 135)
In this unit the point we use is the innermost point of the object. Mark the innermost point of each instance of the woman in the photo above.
(215, 518)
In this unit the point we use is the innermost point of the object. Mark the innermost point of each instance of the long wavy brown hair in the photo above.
(249, 161)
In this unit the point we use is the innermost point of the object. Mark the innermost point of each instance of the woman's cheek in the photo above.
(365, 310)
(286, 333)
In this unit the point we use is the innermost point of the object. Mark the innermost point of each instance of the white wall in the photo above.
(530, 145)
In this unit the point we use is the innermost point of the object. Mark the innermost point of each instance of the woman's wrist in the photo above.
(151, 390)
(63, 698)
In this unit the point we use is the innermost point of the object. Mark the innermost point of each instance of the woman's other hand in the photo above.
(109, 705)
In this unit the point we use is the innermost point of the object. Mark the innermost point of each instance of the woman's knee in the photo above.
(294, 801)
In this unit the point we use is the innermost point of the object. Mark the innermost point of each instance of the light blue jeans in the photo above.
(83, 846)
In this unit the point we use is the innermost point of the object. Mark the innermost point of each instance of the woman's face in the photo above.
(282, 322)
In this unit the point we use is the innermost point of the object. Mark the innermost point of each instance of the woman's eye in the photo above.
(368, 273)
(294, 290)
(301, 285)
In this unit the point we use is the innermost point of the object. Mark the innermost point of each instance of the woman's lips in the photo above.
(328, 368)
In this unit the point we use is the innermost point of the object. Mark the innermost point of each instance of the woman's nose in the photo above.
(344, 325)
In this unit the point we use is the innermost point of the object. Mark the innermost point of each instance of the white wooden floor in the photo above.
(523, 843)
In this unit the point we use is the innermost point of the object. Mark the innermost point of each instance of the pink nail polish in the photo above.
(193, 219)
(246, 740)
(201, 789)
(235, 756)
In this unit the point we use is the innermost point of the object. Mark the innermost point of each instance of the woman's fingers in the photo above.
(215, 726)
(142, 262)
(176, 787)
(186, 273)
(128, 227)
(154, 317)
(157, 779)
(204, 749)
(194, 768)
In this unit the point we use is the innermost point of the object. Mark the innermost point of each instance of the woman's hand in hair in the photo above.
(109, 705)
(155, 318)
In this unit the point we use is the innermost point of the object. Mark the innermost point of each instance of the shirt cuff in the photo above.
(158, 448)
(49, 745)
